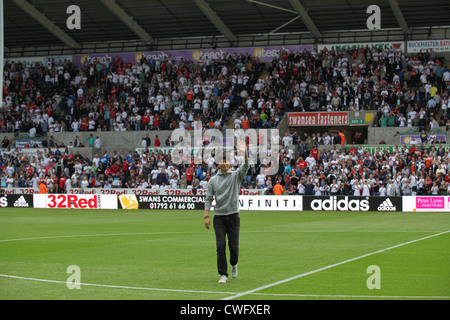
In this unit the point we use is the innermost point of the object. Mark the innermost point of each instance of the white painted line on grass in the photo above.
(114, 286)
(188, 233)
(329, 267)
(98, 235)
(339, 296)
(226, 292)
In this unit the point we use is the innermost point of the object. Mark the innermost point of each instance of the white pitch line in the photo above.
(97, 235)
(226, 292)
(348, 296)
(329, 267)
(187, 232)
(115, 286)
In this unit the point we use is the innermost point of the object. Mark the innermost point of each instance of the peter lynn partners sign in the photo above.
(318, 119)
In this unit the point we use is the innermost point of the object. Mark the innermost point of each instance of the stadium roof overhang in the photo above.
(43, 22)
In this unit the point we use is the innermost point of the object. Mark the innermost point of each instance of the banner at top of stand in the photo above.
(382, 45)
(442, 45)
(42, 60)
(197, 55)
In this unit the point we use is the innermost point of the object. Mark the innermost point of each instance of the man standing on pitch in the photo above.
(224, 186)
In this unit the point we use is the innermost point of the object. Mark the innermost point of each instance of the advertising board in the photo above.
(16, 201)
(352, 203)
(276, 203)
(75, 201)
(334, 118)
(162, 202)
(430, 45)
(426, 204)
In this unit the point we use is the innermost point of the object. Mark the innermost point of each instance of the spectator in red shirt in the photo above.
(92, 182)
(189, 175)
(245, 122)
(315, 153)
(156, 121)
(145, 121)
(301, 164)
(125, 169)
(112, 116)
(292, 189)
(62, 183)
(447, 177)
(157, 142)
(114, 169)
(55, 184)
(189, 98)
(84, 124)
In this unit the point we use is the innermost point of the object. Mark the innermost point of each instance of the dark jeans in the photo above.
(227, 225)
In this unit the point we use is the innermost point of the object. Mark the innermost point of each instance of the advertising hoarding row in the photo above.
(267, 53)
(136, 191)
(264, 53)
(246, 203)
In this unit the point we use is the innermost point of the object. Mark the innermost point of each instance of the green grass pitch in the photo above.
(169, 255)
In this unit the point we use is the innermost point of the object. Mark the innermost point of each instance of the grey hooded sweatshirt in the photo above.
(225, 188)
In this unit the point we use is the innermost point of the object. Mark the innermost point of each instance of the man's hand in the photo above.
(207, 220)
(207, 223)
(242, 148)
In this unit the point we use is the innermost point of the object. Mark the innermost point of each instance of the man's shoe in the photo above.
(234, 271)
(223, 279)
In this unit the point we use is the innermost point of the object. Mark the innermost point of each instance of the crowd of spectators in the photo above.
(342, 170)
(405, 90)
(119, 95)
(421, 169)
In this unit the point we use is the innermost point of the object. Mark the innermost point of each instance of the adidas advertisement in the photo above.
(16, 200)
(387, 205)
(336, 203)
(351, 203)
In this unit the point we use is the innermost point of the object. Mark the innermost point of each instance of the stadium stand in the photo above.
(237, 92)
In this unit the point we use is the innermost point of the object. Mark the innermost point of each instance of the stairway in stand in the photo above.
(230, 123)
